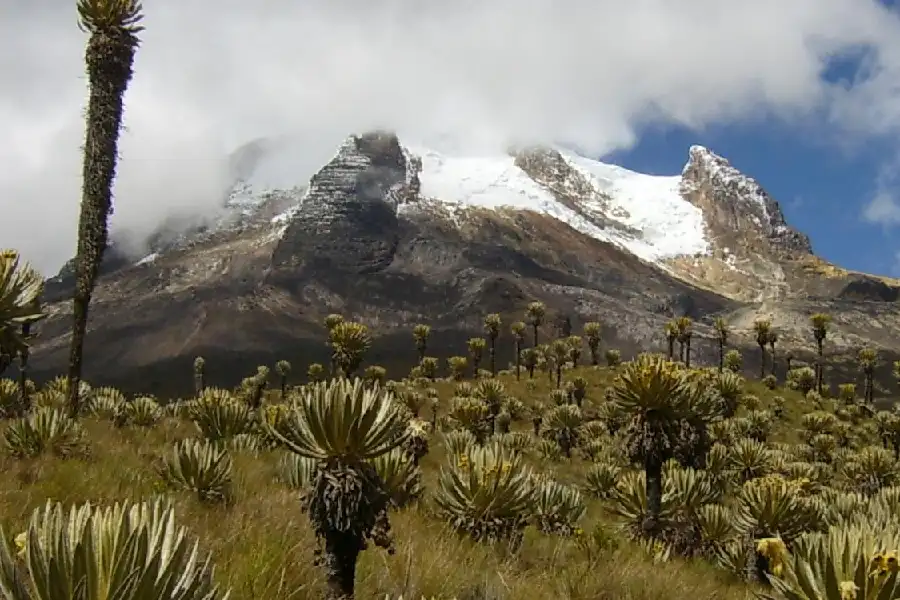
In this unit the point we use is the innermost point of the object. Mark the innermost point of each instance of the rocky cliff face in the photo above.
(737, 209)
(391, 236)
(347, 222)
(573, 189)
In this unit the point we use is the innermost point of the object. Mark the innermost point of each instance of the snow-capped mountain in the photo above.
(391, 233)
(643, 214)
(654, 217)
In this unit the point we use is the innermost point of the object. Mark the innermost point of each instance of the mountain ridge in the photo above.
(393, 234)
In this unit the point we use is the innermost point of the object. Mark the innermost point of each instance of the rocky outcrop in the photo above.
(549, 168)
(571, 188)
(754, 250)
(347, 223)
(737, 209)
(870, 289)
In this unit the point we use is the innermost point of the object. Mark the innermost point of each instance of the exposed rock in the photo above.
(570, 187)
(869, 288)
(737, 208)
(254, 285)
(347, 223)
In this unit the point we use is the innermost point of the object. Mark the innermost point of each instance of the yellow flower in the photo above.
(274, 413)
(770, 547)
(848, 590)
(21, 540)
(578, 531)
(775, 551)
(883, 563)
(878, 564)
(890, 561)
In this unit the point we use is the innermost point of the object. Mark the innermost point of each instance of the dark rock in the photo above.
(869, 289)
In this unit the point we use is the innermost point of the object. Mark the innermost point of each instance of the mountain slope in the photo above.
(393, 234)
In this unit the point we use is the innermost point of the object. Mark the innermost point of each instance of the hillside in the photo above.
(578, 541)
(392, 234)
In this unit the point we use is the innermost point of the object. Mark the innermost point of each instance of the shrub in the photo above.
(47, 429)
(128, 552)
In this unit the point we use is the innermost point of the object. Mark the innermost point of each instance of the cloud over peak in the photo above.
(211, 76)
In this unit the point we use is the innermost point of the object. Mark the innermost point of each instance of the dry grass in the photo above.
(814, 265)
(263, 546)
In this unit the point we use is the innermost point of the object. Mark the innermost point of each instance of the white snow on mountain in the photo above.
(669, 225)
(644, 214)
(148, 259)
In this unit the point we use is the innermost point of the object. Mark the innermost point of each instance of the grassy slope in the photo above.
(263, 546)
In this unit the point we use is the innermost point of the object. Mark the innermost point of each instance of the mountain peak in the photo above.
(736, 204)
(391, 234)
(698, 152)
(703, 163)
(376, 180)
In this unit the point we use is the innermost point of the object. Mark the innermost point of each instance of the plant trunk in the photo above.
(681, 351)
(721, 356)
(772, 360)
(198, 383)
(671, 349)
(283, 387)
(341, 553)
(25, 404)
(518, 361)
(108, 59)
(558, 375)
(493, 356)
(256, 398)
(531, 372)
(762, 361)
(819, 366)
(653, 473)
(595, 359)
(687, 353)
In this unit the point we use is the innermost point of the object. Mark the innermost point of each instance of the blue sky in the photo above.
(823, 187)
(822, 190)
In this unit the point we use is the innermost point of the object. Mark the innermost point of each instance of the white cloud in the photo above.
(213, 74)
(884, 207)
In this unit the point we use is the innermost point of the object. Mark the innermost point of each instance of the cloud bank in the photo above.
(214, 74)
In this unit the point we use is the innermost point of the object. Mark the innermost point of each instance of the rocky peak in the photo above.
(248, 202)
(735, 205)
(347, 220)
(549, 168)
(573, 188)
